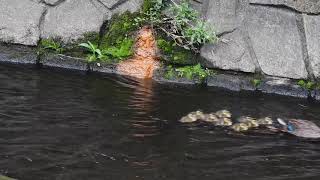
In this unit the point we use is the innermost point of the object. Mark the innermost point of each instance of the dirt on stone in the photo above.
(145, 60)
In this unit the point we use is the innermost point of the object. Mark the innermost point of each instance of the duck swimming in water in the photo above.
(210, 118)
(265, 121)
(249, 121)
(192, 117)
(240, 127)
(297, 127)
(300, 128)
(223, 114)
(223, 122)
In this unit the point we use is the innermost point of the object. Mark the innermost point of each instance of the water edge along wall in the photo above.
(277, 38)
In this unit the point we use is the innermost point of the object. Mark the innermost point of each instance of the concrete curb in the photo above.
(103, 68)
(18, 54)
(65, 62)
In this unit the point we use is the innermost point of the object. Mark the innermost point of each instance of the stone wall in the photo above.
(26, 21)
(274, 37)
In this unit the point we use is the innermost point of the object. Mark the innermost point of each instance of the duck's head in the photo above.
(199, 115)
(211, 118)
(224, 114)
(286, 125)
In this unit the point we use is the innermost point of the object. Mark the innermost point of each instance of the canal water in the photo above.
(57, 125)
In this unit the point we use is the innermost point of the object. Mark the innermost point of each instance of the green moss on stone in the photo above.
(122, 50)
(256, 82)
(147, 5)
(50, 46)
(73, 49)
(196, 72)
(118, 40)
(92, 37)
(173, 54)
(120, 27)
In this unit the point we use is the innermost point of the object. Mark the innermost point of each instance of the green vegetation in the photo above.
(2, 177)
(309, 85)
(120, 27)
(256, 82)
(95, 53)
(179, 34)
(50, 45)
(173, 54)
(195, 72)
(180, 22)
(120, 51)
(116, 43)
(111, 54)
(93, 37)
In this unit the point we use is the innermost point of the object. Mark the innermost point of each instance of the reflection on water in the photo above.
(142, 103)
(62, 125)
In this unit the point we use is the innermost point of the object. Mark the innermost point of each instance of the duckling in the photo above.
(192, 117)
(240, 127)
(210, 118)
(252, 124)
(223, 122)
(199, 115)
(224, 114)
(227, 122)
(244, 119)
(265, 121)
(249, 121)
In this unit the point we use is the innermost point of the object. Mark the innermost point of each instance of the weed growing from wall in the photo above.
(50, 45)
(179, 21)
(309, 85)
(195, 72)
(94, 53)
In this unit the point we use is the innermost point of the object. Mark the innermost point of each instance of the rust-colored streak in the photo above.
(145, 60)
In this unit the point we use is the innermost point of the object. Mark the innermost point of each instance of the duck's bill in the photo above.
(281, 121)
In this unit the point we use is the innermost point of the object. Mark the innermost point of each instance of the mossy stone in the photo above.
(173, 54)
(119, 28)
(73, 49)
(147, 5)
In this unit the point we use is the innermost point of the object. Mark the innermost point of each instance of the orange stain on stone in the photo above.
(144, 61)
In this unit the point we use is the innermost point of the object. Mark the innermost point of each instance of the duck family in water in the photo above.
(223, 118)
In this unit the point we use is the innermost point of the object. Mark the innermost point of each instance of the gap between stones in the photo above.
(52, 5)
(283, 7)
(303, 39)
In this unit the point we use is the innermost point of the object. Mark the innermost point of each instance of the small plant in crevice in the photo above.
(308, 85)
(170, 73)
(94, 53)
(256, 83)
(50, 45)
(195, 72)
(111, 54)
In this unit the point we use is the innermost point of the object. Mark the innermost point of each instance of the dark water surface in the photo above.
(59, 125)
